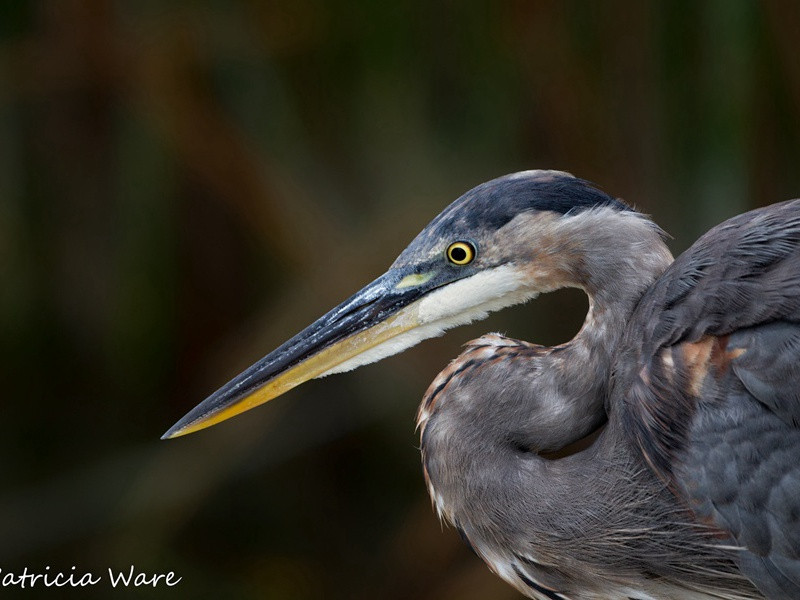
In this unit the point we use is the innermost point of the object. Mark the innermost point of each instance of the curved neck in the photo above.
(614, 257)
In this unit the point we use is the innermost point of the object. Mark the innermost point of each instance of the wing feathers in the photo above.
(715, 400)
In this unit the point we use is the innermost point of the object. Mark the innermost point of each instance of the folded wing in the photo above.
(708, 383)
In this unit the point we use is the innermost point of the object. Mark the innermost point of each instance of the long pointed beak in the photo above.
(371, 317)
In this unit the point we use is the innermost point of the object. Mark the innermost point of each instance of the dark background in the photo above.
(184, 185)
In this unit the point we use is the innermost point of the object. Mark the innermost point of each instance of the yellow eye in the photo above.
(461, 253)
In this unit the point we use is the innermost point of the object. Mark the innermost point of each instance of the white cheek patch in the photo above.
(474, 297)
(458, 303)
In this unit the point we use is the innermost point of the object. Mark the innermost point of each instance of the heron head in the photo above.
(496, 246)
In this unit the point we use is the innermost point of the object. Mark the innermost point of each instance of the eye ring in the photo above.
(460, 253)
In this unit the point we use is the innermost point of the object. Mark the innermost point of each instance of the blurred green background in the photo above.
(184, 185)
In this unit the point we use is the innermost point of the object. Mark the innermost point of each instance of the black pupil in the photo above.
(458, 254)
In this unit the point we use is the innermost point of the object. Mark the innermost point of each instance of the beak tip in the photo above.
(200, 417)
(171, 433)
(179, 429)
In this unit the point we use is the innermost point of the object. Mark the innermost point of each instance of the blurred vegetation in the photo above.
(185, 184)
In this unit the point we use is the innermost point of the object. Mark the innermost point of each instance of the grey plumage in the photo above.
(599, 523)
(656, 456)
(680, 497)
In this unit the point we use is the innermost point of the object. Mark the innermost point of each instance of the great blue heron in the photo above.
(654, 456)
